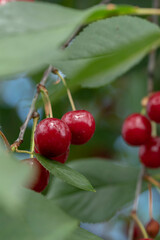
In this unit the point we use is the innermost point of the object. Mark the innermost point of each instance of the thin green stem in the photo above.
(68, 90)
(35, 121)
(147, 11)
(46, 100)
(150, 200)
(140, 225)
(143, 111)
(22, 151)
(154, 129)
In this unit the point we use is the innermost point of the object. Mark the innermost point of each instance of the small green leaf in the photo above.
(65, 173)
(114, 183)
(82, 234)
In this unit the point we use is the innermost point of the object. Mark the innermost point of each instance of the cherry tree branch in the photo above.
(32, 108)
(150, 85)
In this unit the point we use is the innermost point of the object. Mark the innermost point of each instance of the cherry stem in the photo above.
(140, 225)
(152, 180)
(143, 111)
(154, 129)
(15, 149)
(35, 121)
(5, 140)
(147, 11)
(55, 71)
(46, 100)
(32, 108)
(135, 203)
(150, 201)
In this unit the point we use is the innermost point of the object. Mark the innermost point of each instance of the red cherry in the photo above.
(62, 158)
(150, 153)
(145, 239)
(136, 232)
(153, 107)
(52, 137)
(136, 129)
(152, 228)
(42, 175)
(81, 124)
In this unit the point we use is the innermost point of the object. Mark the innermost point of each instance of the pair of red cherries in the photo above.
(53, 138)
(136, 131)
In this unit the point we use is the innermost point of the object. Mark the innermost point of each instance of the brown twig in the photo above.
(5, 140)
(152, 55)
(79, 29)
(150, 83)
(19, 140)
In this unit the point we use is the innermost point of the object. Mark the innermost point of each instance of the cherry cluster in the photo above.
(152, 229)
(137, 131)
(53, 138)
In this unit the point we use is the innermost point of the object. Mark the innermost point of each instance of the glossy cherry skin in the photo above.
(52, 137)
(136, 129)
(81, 124)
(150, 153)
(152, 228)
(62, 158)
(41, 177)
(153, 107)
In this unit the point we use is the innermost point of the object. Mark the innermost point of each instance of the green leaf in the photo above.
(107, 49)
(13, 175)
(31, 34)
(40, 219)
(32, 39)
(114, 184)
(81, 234)
(65, 173)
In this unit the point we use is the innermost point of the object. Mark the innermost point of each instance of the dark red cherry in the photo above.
(136, 129)
(41, 177)
(145, 239)
(62, 158)
(52, 137)
(150, 153)
(81, 124)
(152, 228)
(153, 107)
